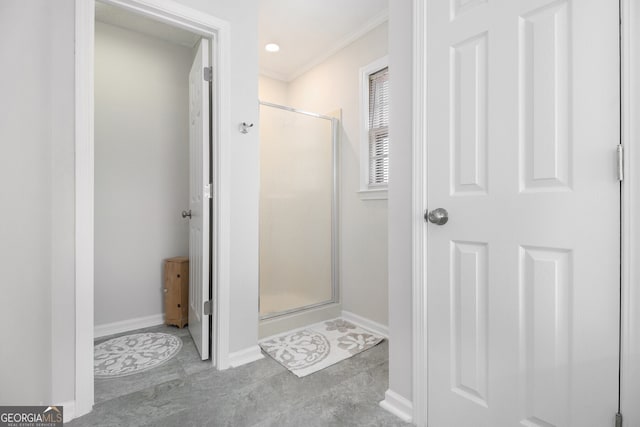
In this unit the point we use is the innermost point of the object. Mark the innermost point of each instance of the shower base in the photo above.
(280, 302)
(298, 319)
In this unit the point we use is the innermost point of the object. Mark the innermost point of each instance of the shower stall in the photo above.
(298, 211)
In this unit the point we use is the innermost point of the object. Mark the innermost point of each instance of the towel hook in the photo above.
(245, 127)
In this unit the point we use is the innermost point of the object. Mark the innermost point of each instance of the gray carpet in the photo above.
(186, 392)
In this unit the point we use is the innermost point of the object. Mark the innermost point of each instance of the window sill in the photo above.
(375, 194)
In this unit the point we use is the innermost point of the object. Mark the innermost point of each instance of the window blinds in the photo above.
(379, 128)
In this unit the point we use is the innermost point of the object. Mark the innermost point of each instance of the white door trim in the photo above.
(218, 31)
(630, 387)
(419, 230)
(84, 28)
(630, 393)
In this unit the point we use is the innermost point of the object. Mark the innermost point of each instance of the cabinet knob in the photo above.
(165, 290)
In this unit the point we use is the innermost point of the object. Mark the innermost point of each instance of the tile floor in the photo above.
(187, 392)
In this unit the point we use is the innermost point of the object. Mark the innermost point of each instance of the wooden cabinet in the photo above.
(176, 291)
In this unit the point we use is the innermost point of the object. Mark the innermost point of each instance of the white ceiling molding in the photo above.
(273, 74)
(340, 44)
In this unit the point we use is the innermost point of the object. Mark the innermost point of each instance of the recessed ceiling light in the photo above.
(272, 47)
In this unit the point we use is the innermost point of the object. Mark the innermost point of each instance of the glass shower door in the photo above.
(297, 203)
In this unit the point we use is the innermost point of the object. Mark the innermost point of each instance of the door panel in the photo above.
(199, 201)
(469, 321)
(545, 334)
(522, 297)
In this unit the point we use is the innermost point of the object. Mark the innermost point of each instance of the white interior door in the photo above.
(199, 195)
(522, 281)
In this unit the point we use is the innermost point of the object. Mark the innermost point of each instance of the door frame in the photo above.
(175, 14)
(630, 228)
(630, 327)
(418, 206)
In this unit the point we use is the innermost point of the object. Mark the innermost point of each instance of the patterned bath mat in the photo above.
(318, 346)
(130, 354)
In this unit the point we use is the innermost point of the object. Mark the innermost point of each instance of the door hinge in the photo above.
(618, 419)
(208, 308)
(208, 74)
(207, 191)
(620, 160)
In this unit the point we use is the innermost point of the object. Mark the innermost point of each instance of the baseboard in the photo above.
(68, 410)
(365, 323)
(242, 357)
(127, 325)
(397, 405)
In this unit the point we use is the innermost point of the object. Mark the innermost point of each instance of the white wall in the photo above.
(272, 90)
(36, 188)
(141, 169)
(331, 85)
(400, 193)
(62, 197)
(26, 113)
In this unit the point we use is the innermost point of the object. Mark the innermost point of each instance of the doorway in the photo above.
(205, 26)
(152, 161)
(521, 305)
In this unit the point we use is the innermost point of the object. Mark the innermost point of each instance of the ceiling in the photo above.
(308, 32)
(122, 18)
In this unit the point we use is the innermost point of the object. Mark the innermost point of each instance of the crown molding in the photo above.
(273, 75)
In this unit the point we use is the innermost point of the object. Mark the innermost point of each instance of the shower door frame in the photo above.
(335, 277)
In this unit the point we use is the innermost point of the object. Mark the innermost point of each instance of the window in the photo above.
(379, 128)
(374, 142)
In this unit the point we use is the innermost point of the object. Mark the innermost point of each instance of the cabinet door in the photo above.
(172, 293)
